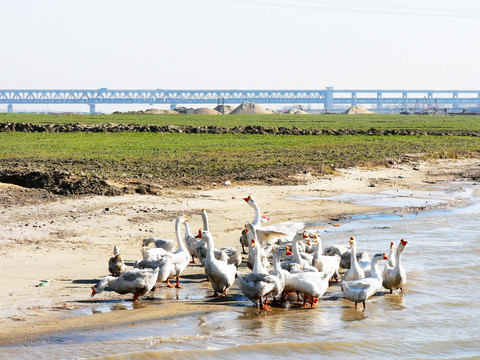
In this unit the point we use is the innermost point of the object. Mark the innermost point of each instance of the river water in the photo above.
(436, 317)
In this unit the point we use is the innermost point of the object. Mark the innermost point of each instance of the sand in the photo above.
(249, 108)
(68, 241)
(205, 111)
(358, 109)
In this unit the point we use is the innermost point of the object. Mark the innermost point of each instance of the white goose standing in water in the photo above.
(220, 274)
(360, 290)
(395, 277)
(355, 271)
(135, 281)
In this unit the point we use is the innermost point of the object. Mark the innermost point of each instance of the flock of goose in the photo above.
(299, 265)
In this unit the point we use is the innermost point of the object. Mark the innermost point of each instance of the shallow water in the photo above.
(437, 316)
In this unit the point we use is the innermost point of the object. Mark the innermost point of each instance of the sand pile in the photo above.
(297, 112)
(205, 111)
(224, 109)
(249, 108)
(357, 109)
(160, 111)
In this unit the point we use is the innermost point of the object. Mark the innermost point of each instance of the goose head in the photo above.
(403, 242)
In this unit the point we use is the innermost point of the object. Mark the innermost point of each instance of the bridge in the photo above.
(329, 97)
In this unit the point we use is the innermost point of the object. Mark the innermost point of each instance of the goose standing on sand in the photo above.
(258, 283)
(116, 265)
(395, 277)
(355, 271)
(135, 281)
(220, 274)
(192, 241)
(360, 290)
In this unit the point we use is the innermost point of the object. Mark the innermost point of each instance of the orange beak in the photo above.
(199, 236)
(392, 244)
(93, 291)
(288, 250)
(253, 243)
(247, 198)
(305, 236)
(385, 257)
(404, 242)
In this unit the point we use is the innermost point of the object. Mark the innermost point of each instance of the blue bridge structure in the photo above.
(331, 99)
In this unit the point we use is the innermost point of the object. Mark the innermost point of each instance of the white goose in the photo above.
(220, 274)
(278, 272)
(166, 244)
(202, 246)
(116, 265)
(297, 262)
(360, 290)
(355, 271)
(395, 277)
(391, 255)
(172, 264)
(282, 232)
(311, 284)
(192, 241)
(325, 263)
(258, 283)
(135, 281)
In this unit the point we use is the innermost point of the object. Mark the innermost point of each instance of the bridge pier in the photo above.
(328, 102)
(92, 109)
(9, 108)
(354, 98)
(379, 101)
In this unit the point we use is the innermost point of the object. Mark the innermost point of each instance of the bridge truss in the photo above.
(329, 98)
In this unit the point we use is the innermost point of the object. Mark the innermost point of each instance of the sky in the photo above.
(240, 44)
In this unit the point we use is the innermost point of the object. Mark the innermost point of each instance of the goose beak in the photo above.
(247, 198)
(404, 242)
(288, 250)
(352, 240)
(305, 236)
(392, 245)
(199, 235)
(93, 291)
(385, 257)
(253, 243)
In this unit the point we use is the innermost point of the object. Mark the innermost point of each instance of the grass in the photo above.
(197, 157)
(314, 121)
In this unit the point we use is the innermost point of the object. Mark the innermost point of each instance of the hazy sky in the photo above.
(240, 44)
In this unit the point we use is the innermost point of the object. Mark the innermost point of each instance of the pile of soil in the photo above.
(205, 111)
(148, 111)
(249, 108)
(58, 182)
(357, 109)
(224, 109)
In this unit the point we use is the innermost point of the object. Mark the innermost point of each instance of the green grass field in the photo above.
(320, 121)
(206, 156)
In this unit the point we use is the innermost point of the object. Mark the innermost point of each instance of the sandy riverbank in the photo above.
(69, 241)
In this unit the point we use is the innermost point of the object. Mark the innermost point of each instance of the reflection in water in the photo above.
(436, 316)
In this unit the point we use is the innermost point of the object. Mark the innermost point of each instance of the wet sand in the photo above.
(69, 242)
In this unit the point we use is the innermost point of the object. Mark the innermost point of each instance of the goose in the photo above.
(154, 253)
(172, 264)
(166, 244)
(395, 277)
(116, 265)
(391, 255)
(220, 274)
(229, 255)
(284, 231)
(355, 271)
(266, 247)
(325, 263)
(360, 290)
(297, 262)
(278, 272)
(135, 281)
(258, 283)
(311, 284)
(181, 257)
(192, 241)
(344, 252)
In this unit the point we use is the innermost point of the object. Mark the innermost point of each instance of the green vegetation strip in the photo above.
(193, 157)
(311, 121)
